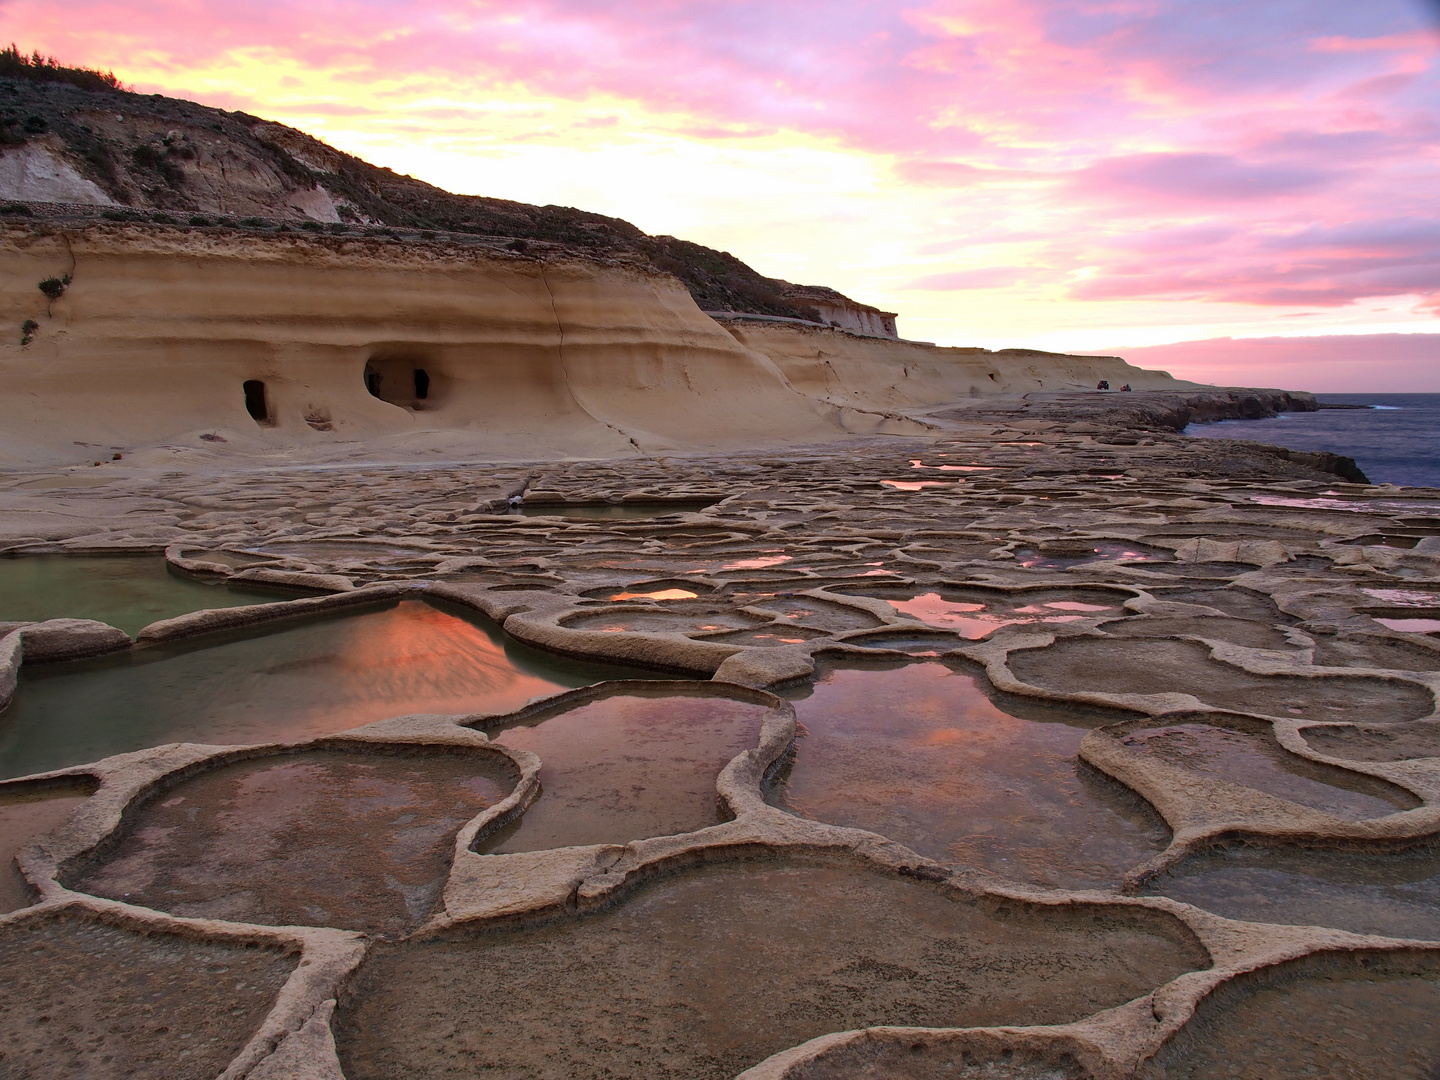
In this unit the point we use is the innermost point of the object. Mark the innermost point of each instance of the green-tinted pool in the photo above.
(128, 591)
(292, 683)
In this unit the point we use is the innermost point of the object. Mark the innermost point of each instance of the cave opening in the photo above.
(256, 403)
(400, 380)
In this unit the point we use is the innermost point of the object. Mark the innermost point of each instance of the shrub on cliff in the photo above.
(54, 287)
(37, 68)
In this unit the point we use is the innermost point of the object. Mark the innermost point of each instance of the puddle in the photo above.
(1376, 742)
(359, 841)
(658, 594)
(625, 768)
(604, 511)
(916, 485)
(83, 999)
(1200, 570)
(24, 815)
(1392, 894)
(788, 635)
(921, 755)
(1405, 597)
(678, 617)
(974, 614)
(704, 973)
(338, 552)
(233, 559)
(1129, 666)
(1032, 559)
(819, 613)
(1357, 1019)
(1411, 626)
(1393, 540)
(128, 591)
(294, 682)
(1256, 761)
(761, 562)
(919, 464)
(932, 644)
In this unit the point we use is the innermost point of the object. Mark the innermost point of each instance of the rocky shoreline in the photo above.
(1227, 628)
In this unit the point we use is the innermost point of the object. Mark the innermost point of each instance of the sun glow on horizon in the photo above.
(1059, 176)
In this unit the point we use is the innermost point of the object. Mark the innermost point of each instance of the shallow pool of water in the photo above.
(1343, 1023)
(128, 591)
(1412, 626)
(360, 841)
(920, 754)
(294, 682)
(1253, 758)
(626, 767)
(1394, 894)
(82, 998)
(1032, 559)
(605, 511)
(705, 973)
(25, 815)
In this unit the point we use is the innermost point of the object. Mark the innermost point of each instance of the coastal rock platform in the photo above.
(1049, 744)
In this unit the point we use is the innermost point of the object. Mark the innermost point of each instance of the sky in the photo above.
(1058, 174)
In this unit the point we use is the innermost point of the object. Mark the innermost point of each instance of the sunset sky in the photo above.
(1071, 174)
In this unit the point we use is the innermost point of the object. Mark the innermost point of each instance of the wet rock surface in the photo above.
(1043, 675)
(707, 973)
(624, 768)
(81, 998)
(1346, 1021)
(350, 840)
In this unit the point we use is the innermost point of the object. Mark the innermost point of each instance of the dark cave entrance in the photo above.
(256, 403)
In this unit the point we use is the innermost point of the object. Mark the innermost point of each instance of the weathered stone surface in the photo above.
(71, 639)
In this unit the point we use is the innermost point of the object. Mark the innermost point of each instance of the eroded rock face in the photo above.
(712, 971)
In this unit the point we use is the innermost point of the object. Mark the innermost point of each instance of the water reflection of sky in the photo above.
(974, 620)
(920, 753)
(292, 683)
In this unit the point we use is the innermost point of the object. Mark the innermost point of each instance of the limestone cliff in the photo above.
(873, 373)
(174, 335)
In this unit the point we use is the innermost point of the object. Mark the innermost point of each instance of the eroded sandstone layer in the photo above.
(1048, 744)
(211, 342)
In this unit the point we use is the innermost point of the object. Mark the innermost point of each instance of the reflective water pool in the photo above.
(921, 755)
(128, 591)
(294, 682)
(626, 767)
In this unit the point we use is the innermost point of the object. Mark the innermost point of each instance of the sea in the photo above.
(1395, 439)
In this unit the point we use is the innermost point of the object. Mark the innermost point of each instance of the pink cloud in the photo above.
(1221, 151)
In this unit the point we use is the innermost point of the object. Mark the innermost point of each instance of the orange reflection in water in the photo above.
(758, 563)
(658, 594)
(294, 682)
(921, 755)
(967, 620)
(915, 485)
